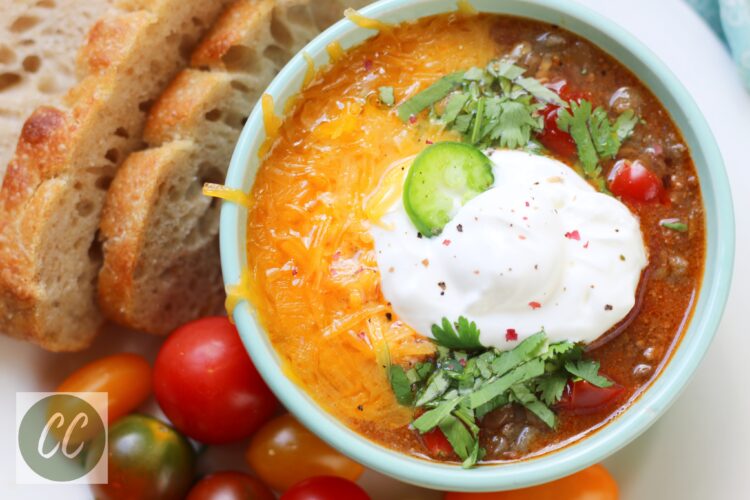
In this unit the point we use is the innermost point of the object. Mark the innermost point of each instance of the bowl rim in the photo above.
(654, 399)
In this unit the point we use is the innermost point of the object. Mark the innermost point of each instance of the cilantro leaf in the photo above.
(588, 370)
(674, 225)
(464, 336)
(400, 385)
(454, 106)
(575, 122)
(429, 96)
(530, 401)
(551, 387)
(458, 436)
(542, 93)
(528, 349)
(625, 124)
(436, 387)
(385, 94)
(522, 373)
(430, 419)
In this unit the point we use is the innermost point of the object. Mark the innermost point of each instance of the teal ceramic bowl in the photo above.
(650, 405)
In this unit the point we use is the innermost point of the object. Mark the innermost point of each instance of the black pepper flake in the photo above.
(608, 307)
(419, 235)
(536, 267)
(442, 285)
(360, 408)
(389, 316)
(622, 258)
(442, 293)
(460, 228)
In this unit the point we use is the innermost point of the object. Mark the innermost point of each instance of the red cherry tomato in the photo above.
(632, 181)
(230, 485)
(583, 398)
(125, 377)
(437, 444)
(593, 483)
(325, 488)
(207, 386)
(554, 139)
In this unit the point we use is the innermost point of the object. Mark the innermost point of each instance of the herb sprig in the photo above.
(466, 381)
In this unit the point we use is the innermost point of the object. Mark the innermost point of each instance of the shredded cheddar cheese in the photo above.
(228, 194)
(388, 191)
(335, 51)
(310, 73)
(465, 7)
(271, 124)
(237, 293)
(365, 22)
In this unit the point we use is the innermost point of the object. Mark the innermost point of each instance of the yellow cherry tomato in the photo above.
(594, 483)
(283, 453)
(125, 377)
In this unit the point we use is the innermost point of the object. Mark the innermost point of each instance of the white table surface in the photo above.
(698, 450)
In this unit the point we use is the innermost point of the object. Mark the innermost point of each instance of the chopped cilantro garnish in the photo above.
(385, 94)
(429, 96)
(674, 225)
(596, 137)
(460, 387)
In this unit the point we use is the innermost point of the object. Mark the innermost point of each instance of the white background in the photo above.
(698, 450)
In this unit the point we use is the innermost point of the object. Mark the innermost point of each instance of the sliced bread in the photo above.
(161, 265)
(54, 190)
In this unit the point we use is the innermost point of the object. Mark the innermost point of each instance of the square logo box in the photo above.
(61, 437)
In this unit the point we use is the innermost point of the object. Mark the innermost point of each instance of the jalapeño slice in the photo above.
(443, 177)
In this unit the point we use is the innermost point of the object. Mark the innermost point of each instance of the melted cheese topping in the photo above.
(335, 51)
(365, 22)
(227, 194)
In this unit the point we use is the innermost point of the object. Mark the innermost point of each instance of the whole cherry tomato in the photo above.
(283, 453)
(126, 378)
(146, 459)
(559, 142)
(593, 483)
(583, 398)
(437, 444)
(633, 181)
(207, 386)
(230, 485)
(325, 488)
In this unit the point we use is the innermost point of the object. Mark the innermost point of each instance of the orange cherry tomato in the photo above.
(125, 377)
(594, 483)
(283, 453)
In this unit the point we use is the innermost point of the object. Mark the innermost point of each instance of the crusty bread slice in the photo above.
(161, 265)
(55, 186)
(38, 44)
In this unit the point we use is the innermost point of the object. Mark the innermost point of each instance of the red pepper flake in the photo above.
(294, 271)
(573, 235)
(412, 119)
(511, 335)
(446, 242)
(368, 64)
(462, 362)
(525, 218)
(336, 256)
(528, 204)
(521, 237)
(586, 245)
(426, 262)
(361, 335)
(428, 142)
(534, 305)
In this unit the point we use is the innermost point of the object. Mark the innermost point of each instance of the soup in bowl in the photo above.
(468, 248)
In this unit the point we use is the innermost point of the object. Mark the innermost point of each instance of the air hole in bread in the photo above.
(8, 80)
(145, 105)
(277, 55)
(112, 155)
(279, 31)
(186, 46)
(299, 14)
(84, 208)
(241, 58)
(95, 249)
(103, 182)
(238, 85)
(23, 23)
(197, 22)
(46, 85)
(121, 132)
(213, 115)
(7, 55)
(234, 120)
(31, 64)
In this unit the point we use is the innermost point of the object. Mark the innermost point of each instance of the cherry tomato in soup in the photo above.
(230, 485)
(146, 459)
(283, 453)
(125, 377)
(633, 181)
(437, 444)
(325, 488)
(557, 141)
(582, 398)
(207, 386)
(593, 483)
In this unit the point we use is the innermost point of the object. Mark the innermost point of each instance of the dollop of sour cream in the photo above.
(541, 249)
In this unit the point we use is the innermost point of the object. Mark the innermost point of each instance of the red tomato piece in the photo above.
(325, 488)
(554, 139)
(634, 182)
(207, 386)
(594, 483)
(582, 398)
(437, 444)
(230, 485)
